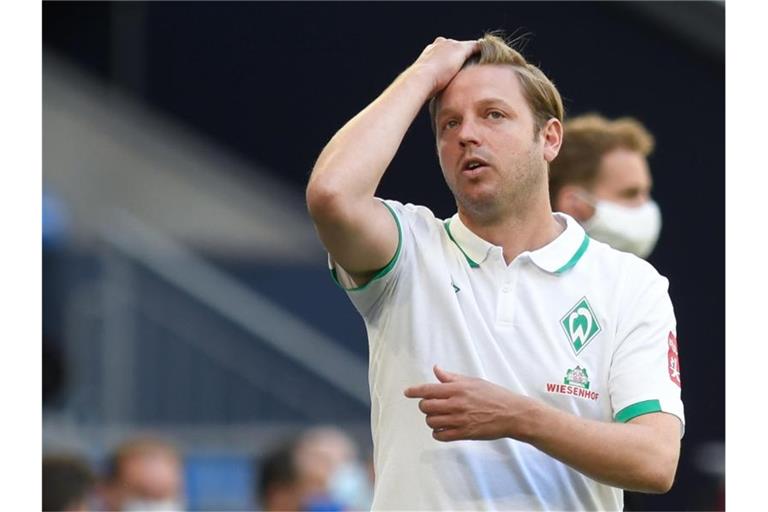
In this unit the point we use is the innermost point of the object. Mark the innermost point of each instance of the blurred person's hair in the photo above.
(136, 447)
(540, 93)
(276, 470)
(67, 482)
(586, 139)
(328, 436)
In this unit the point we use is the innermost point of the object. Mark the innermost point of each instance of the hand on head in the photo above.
(442, 59)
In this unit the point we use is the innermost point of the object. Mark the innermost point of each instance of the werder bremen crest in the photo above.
(580, 325)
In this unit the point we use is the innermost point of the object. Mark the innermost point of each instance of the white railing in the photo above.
(127, 242)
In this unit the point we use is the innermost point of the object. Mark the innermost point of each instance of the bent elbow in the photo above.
(663, 485)
(661, 480)
(323, 200)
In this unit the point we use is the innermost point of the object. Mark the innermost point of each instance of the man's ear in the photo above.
(552, 132)
(569, 200)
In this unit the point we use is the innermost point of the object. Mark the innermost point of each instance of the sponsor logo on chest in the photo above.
(575, 383)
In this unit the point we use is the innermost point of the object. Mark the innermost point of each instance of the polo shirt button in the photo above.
(505, 289)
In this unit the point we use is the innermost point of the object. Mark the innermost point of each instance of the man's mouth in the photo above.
(473, 166)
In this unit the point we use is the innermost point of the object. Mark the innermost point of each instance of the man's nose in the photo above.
(469, 133)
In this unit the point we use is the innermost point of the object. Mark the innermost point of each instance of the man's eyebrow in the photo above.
(632, 191)
(495, 101)
(447, 111)
(444, 111)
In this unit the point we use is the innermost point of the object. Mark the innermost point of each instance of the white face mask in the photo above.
(632, 229)
(152, 505)
(351, 487)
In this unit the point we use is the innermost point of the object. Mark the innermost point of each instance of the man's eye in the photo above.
(495, 114)
(451, 124)
(630, 194)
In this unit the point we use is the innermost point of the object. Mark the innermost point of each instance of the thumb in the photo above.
(444, 376)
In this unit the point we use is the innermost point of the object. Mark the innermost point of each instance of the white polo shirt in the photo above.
(576, 324)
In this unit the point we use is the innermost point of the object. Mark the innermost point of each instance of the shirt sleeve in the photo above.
(645, 371)
(371, 296)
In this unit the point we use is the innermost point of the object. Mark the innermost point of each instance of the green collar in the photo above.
(557, 257)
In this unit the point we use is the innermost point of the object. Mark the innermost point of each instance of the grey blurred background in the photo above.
(184, 290)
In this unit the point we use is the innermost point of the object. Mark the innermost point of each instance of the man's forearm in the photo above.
(355, 159)
(625, 455)
(640, 455)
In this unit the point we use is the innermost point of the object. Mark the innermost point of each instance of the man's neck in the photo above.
(520, 230)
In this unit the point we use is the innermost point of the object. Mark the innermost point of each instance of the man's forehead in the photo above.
(623, 168)
(481, 82)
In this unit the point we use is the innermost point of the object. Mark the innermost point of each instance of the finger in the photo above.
(442, 421)
(473, 44)
(437, 406)
(471, 47)
(431, 391)
(444, 376)
(449, 434)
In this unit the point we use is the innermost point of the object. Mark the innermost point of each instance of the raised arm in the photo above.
(357, 229)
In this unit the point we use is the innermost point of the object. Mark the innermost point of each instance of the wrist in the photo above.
(421, 78)
(529, 426)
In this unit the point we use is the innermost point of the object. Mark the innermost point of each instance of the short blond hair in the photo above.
(138, 447)
(586, 139)
(539, 91)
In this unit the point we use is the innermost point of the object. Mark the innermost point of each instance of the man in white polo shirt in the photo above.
(544, 363)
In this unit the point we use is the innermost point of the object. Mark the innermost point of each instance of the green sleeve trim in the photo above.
(384, 271)
(447, 226)
(576, 257)
(638, 409)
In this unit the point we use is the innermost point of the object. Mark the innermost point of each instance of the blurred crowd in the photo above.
(319, 470)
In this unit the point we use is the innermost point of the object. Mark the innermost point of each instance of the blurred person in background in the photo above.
(320, 470)
(331, 467)
(68, 483)
(601, 178)
(144, 474)
(278, 487)
(565, 345)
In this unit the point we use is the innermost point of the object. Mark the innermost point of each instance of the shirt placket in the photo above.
(506, 304)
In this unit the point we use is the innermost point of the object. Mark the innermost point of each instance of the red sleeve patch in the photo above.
(673, 359)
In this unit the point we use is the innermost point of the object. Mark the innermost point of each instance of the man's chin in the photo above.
(478, 201)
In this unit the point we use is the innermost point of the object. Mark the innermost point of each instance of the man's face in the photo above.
(150, 477)
(485, 140)
(623, 178)
(319, 456)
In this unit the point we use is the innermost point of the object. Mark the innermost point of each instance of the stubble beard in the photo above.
(518, 188)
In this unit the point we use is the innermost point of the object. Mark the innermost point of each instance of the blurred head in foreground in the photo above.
(602, 179)
(67, 483)
(144, 474)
